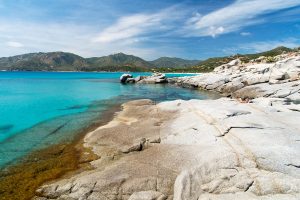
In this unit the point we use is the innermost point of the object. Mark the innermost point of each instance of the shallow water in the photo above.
(38, 109)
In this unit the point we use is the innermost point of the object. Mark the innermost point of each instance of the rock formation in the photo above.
(126, 78)
(247, 81)
(200, 149)
(153, 79)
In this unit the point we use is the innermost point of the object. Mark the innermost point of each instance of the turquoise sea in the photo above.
(38, 109)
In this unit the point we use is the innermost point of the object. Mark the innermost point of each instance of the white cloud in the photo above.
(70, 38)
(128, 27)
(234, 16)
(245, 33)
(14, 44)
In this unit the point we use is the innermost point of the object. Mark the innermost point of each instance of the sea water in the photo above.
(38, 109)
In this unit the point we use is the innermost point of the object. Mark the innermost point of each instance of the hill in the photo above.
(62, 61)
(53, 61)
(167, 62)
(211, 63)
(117, 62)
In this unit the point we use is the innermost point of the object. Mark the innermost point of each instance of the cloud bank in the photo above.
(234, 17)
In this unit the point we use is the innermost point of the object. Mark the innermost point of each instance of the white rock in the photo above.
(147, 195)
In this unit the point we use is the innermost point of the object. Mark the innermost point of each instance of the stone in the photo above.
(155, 78)
(234, 62)
(130, 80)
(124, 77)
(138, 78)
(147, 195)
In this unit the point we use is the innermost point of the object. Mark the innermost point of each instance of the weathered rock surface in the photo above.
(280, 79)
(153, 79)
(190, 150)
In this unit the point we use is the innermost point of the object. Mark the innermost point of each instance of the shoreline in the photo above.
(20, 180)
(161, 153)
(199, 149)
(190, 73)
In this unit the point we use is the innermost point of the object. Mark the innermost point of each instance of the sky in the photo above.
(191, 29)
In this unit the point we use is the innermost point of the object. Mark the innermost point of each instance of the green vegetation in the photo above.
(53, 61)
(211, 63)
(117, 62)
(167, 62)
(270, 59)
(61, 61)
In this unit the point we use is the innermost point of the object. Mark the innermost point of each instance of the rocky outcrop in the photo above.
(280, 79)
(190, 150)
(153, 79)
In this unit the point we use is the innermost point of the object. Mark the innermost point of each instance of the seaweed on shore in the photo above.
(21, 181)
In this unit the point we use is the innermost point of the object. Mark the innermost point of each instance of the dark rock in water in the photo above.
(124, 77)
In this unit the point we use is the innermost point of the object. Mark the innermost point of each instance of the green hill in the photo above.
(53, 61)
(117, 62)
(62, 61)
(167, 62)
(211, 63)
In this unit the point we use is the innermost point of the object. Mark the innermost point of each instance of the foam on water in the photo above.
(38, 109)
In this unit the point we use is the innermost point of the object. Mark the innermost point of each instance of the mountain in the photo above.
(167, 62)
(53, 61)
(117, 62)
(62, 61)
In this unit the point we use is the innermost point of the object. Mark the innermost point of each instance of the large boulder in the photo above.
(155, 78)
(124, 77)
(287, 69)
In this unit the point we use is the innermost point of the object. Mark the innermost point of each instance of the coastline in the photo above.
(197, 149)
(160, 151)
(46, 164)
(20, 180)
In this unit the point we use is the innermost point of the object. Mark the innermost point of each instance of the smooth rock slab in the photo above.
(205, 149)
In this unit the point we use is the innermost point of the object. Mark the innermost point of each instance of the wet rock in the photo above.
(124, 77)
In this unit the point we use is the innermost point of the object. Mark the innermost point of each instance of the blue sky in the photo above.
(192, 29)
